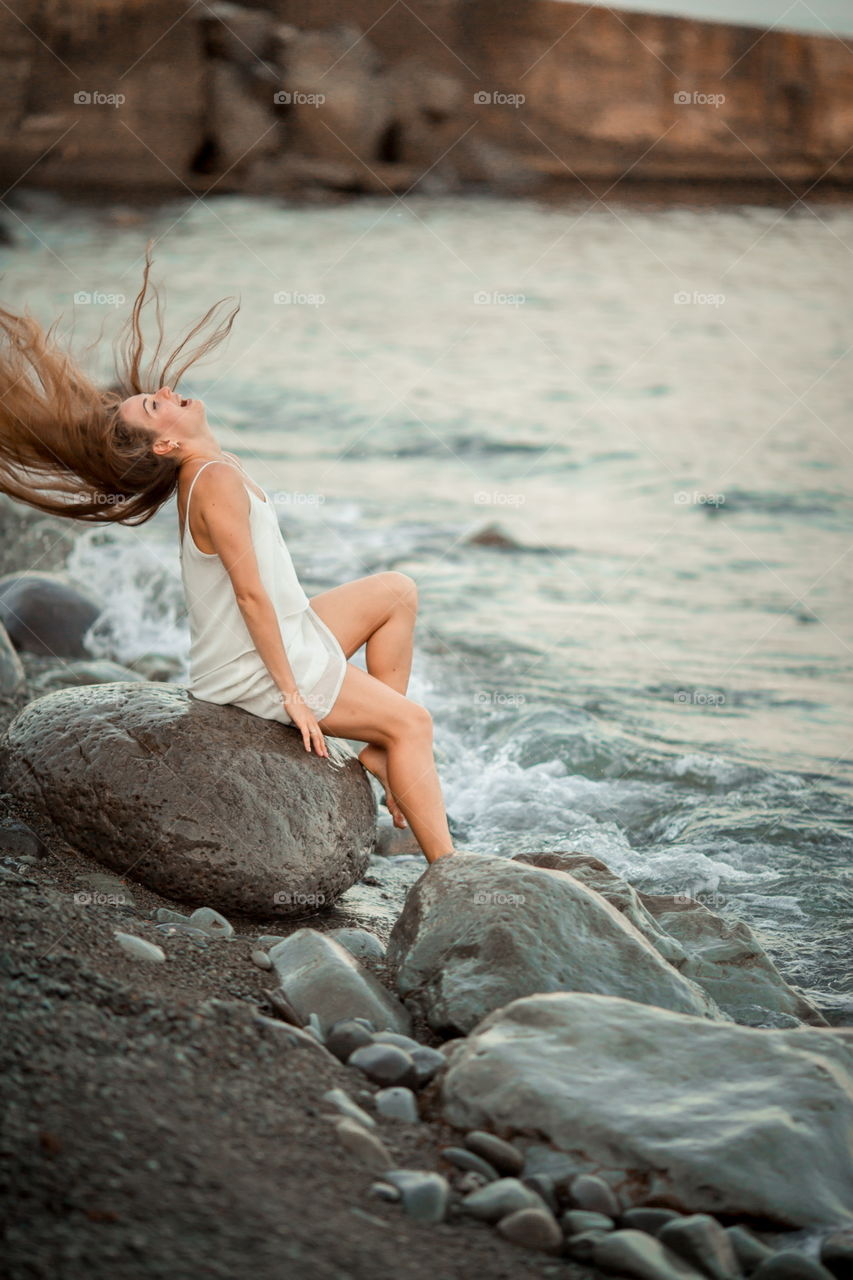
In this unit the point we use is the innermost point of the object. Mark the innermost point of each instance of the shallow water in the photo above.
(658, 671)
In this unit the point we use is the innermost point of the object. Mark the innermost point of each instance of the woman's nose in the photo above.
(165, 390)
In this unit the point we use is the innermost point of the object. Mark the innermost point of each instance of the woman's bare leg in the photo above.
(369, 711)
(385, 605)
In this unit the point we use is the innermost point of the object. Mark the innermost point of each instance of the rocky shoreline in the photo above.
(234, 1045)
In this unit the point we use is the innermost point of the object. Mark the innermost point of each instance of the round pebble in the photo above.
(213, 924)
(384, 1064)
(575, 1221)
(347, 1107)
(790, 1264)
(261, 959)
(500, 1155)
(139, 948)
(649, 1220)
(345, 1036)
(364, 1145)
(425, 1195)
(533, 1228)
(428, 1062)
(590, 1192)
(499, 1199)
(469, 1160)
(397, 1103)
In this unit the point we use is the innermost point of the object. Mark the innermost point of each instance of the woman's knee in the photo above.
(404, 589)
(414, 721)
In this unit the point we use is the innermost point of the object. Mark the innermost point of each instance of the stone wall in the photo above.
(158, 97)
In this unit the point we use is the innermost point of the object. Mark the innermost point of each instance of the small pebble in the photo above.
(348, 1107)
(395, 1037)
(345, 1036)
(384, 1064)
(364, 1145)
(590, 1192)
(533, 1228)
(790, 1264)
(499, 1199)
(139, 948)
(749, 1250)
(425, 1195)
(398, 1103)
(315, 1027)
(464, 1159)
(428, 1062)
(174, 928)
(270, 939)
(702, 1242)
(582, 1246)
(500, 1155)
(166, 916)
(384, 1191)
(261, 959)
(650, 1220)
(212, 923)
(544, 1188)
(359, 943)
(574, 1221)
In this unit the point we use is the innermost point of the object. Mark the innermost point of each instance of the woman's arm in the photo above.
(225, 516)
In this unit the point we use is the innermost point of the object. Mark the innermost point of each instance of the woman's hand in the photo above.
(303, 717)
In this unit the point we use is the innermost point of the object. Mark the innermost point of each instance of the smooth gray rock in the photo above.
(501, 1155)
(702, 1242)
(394, 1037)
(589, 1192)
(647, 1218)
(582, 1246)
(470, 1161)
(359, 943)
(211, 923)
(723, 957)
(384, 1064)
(139, 948)
(749, 1250)
(575, 1221)
(341, 1100)
(698, 1110)
(47, 613)
(261, 959)
(345, 1036)
(367, 1148)
(790, 1264)
(499, 1199)
(634, 1253)
(477, 932)
(545, 1189)
(397, 1103)
(428, 1062)
(192, 796)
(318, 974)
(836, 1253)
(534, 1229)
(425, 1195)
(384, 1191)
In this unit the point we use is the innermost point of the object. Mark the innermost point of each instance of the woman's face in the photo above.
(162, 411)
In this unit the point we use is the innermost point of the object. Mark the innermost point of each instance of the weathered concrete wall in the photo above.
(447, 93)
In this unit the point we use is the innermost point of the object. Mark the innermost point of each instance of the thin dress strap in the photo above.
(190, 493)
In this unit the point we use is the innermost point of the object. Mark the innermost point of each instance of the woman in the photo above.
(256, 639)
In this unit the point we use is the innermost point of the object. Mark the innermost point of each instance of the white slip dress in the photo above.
(225, 666)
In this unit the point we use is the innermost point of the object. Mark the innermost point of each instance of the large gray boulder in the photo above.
(725, 958)
(477, 932)
(320, 976)
(47, 613)
(207, 804)
(700, 1116)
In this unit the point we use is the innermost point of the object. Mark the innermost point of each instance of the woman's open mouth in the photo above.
(184, 403)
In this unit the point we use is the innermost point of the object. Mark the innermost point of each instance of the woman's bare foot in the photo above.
(375, 761)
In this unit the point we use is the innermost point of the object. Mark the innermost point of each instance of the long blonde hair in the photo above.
(64, 447)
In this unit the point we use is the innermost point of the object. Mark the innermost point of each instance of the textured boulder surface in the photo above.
(477, 932)
(725, 958)
(206, 804)
(700, 1116)
(47, 613)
